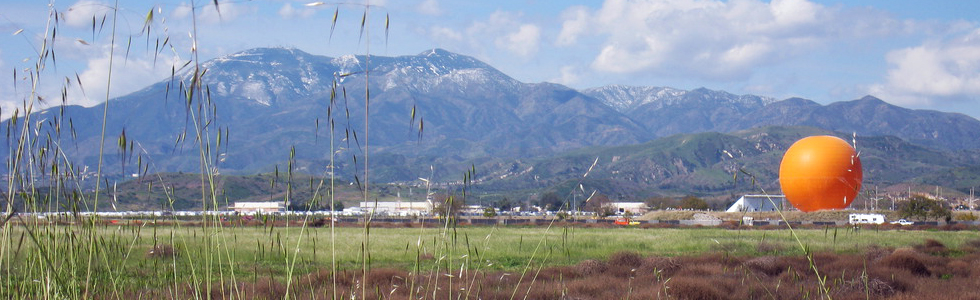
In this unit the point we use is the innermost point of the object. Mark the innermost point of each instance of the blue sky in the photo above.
(917, 54)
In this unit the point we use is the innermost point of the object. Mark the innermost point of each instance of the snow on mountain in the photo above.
(627, 98)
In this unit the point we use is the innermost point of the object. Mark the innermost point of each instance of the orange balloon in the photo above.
(820, 172)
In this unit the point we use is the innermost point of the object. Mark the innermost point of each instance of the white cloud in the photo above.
(576, 23)
(128, 75)
(934, 71)
(710, 39)
(182, 11)
(289, 12)
(570, 75)
(440, 33)
(501, 33)
(430, 7)
(7, 103)
(794, 12)
(209, 14)
(81, 13)
(523, 42)
(508, 33)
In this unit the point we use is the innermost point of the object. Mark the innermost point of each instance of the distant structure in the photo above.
(750, 203)
(855, 219)
(396, 208)
(635, 208)
(251, 208)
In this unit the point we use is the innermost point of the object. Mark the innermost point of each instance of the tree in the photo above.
(337, 206)
(504, 204)
(448, 205)
(600, 204)
(695, 203)
(922, 208)
(489, 212)
(551, 202)
(659, 203)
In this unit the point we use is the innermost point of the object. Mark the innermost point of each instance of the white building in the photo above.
(750, 203)
(258, 207)
(635, 208)
(399, 208)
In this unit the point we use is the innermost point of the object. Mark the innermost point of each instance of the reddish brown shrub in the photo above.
(959, 268)
(768, 265)
(845, 265)
(906, 260)
(932, 247)
(601, 287)
(557, 274)
(315, 279)
(540, 290)
(863, 288)
(659, 267)
(702, 270)
(264, 288)
(875, 253)
(626, 259)
(693, 288)
(590, 267)
(386, 277)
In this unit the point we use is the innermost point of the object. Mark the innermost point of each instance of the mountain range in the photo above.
(268, 109)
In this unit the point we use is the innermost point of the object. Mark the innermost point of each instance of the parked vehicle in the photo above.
(626, 222)
(903, 222)
(855, 219)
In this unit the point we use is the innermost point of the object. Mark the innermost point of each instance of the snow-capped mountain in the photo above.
(436, 107)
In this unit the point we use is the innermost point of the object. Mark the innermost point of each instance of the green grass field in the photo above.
(122, 258)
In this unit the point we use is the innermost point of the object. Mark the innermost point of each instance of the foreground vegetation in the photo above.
(191, 259)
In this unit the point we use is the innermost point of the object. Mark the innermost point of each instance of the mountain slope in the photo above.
(271, 104)
(667, 111)
(716, 164)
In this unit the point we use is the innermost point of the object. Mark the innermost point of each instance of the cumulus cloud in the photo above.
(523, 42)
(707, 38)
(128, 75)
(224, 12)
(430, 7)
(81, 13)
(569, 75)
(289, 12)
(445, 34)
(933, 71)
(508, 32)
(6, 104)
(576, 22)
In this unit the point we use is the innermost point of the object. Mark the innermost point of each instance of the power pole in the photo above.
(971, 199)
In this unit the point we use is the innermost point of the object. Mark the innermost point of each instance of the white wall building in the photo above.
(258, 207)
(635, 208)
(399, 208)
(750, 203)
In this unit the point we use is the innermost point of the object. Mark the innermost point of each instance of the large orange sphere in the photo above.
(820, 172)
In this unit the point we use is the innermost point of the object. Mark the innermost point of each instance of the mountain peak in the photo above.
(869, 98)
(443, 58)
(437, 52)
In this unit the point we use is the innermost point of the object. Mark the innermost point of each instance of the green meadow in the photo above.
(112, 258)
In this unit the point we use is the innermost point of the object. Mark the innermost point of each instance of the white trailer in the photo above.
(855, 219)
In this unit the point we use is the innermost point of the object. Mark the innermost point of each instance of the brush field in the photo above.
(222, 260)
